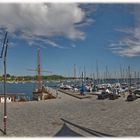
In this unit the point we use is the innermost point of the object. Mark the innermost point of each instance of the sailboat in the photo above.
(42, 92)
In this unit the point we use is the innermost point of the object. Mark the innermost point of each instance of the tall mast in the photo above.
(84, 73)
(74, 71)
(138, 78)
(135, 77)
(124, 77)
(121, 74)
(97, 71)
(129, 76)
(82, 90)
(39, 69)
(93, 76)
(107, 76)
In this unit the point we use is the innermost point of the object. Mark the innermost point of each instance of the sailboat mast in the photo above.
(97, 72)
(129, 76)
(39, 69)
(74, 71)
(121, 74)
(106, 73)
(84, 73)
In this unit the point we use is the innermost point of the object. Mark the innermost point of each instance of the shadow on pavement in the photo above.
(66, 131)
(1, 131)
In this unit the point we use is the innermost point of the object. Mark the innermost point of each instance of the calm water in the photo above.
(26, 88)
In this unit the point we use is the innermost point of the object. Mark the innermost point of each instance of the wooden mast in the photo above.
(39, 70)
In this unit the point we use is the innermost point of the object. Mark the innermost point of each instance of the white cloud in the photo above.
(129, 46)
(54, 44)
(32, 21)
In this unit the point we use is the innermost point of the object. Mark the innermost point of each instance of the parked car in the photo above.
(131, 97)
(113, 96)
(103, 95)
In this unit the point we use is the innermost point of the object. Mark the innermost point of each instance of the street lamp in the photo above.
(3, 55)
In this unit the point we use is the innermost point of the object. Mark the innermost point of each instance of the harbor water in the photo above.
(24, 87)
(28, 87)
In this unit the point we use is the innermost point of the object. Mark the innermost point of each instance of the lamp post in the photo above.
(5, 97)
(4, 50)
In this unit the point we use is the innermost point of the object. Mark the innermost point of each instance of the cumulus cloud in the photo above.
(130, 45)
(127, 47)
(31, 21)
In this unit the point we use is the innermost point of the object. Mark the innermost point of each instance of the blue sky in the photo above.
(69, 34)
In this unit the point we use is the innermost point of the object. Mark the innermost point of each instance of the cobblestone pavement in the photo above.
(69, 116)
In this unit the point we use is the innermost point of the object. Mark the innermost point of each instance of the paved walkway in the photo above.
(68, 116)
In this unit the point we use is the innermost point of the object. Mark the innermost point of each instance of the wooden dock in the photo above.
(74, 94)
